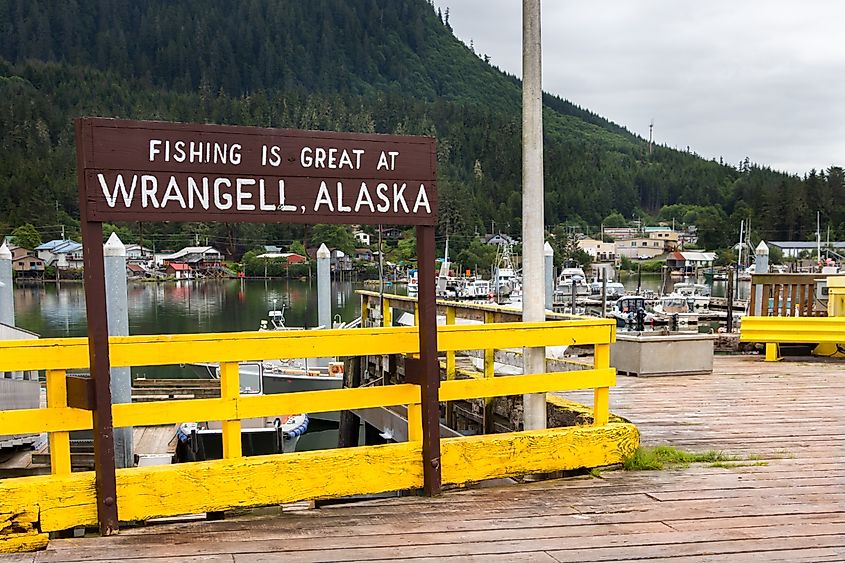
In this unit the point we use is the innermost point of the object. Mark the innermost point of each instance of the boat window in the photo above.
(250, 379)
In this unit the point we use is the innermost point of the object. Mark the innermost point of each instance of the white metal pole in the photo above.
(117, 308)
(7, 290)
(533, 276)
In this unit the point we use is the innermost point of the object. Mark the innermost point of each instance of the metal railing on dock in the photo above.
(41, 504)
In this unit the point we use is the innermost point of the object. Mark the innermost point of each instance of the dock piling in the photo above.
(117, 307)
(7, 301)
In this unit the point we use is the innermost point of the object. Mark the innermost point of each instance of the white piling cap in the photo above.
(5, 253)
(323, 251)
(114, 247)
(548, 250)
(762, 249)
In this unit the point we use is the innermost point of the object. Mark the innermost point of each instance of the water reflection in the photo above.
(183, 306)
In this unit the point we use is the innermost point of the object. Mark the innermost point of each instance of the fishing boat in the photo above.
(613, 290)
(475, 288)
(697, 292)
(413, 283)
(507, 283)
(570, 277)
(675, 308)
(625, 310)
(202, 440)
(289, 375)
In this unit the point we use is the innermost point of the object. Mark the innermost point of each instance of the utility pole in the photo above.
(533, 282)
(650, 138)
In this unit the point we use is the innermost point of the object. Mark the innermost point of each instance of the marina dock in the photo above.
(781, 500)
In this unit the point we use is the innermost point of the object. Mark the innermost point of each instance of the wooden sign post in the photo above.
(154, 171)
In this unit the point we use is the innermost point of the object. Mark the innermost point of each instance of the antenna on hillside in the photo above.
(650, 135)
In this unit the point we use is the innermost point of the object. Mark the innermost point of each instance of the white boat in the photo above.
(698, 292)
(414, 283)
(570, 277)
(613, 290)
(676, 307)
(506, 280)
(199, 441)
(625, 310)
(475, 288)
(290, 375)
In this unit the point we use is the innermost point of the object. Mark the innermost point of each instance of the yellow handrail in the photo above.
(66, 499)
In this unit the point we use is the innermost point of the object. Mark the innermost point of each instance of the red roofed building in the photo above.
(179, 271)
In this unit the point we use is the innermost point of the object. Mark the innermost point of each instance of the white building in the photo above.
(362, 238)
(600, 251)
(199, 257)
(63, 254)
(639, 248)
(138, 253)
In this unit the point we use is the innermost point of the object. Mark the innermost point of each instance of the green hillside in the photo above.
(363, 65)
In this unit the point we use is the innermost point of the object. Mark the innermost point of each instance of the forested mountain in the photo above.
(388, 66)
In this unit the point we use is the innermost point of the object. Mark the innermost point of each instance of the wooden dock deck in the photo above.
(787, 502)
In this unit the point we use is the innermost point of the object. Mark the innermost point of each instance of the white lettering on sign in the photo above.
(381, 192)
(222, 200)
(364, 199)
(194, 191)
(251, 194)
(323, 198)
(221, 190)
(149, 188)
(198, 152)
(274, 158)
(173, 193)
(383, 163)
(119, 185)
(422, 200)
(282, 206)
(332, 158)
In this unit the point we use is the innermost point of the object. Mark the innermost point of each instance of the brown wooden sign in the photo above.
(155, 171)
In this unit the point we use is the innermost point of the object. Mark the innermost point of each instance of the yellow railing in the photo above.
(792, 330)
(64, 499)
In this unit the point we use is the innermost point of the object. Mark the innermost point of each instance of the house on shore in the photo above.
(639, 248)
(138, 253)
(598, 250)
(26, 263)
(62, 254)
(689, 262)
(201, 259)
(179, 271)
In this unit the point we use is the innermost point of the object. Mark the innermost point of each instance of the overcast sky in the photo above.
(763, 79)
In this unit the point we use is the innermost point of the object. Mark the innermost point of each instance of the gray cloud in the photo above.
(733, 79)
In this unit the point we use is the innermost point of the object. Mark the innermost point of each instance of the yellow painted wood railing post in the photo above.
(601, 395)
(489, 353)
(415, 422)
(451, 313)
(365, 306)
(230, 389)
(489, 373)
(386, 315)
(59, 441)
(772, 352)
